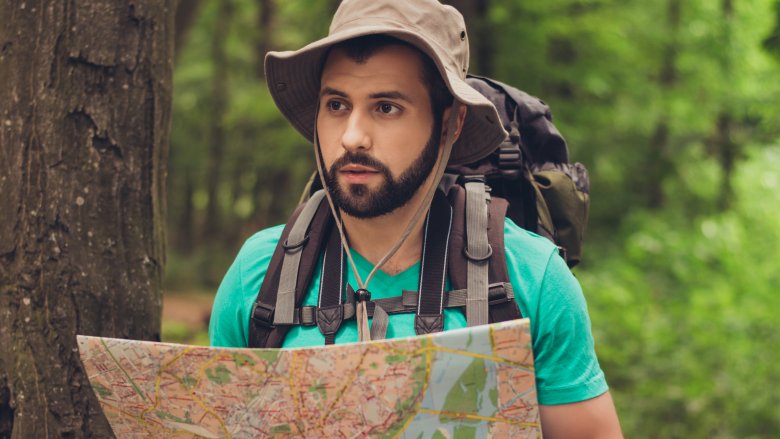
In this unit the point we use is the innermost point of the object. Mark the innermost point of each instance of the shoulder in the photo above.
(534, 244)
(260, 245)
(528, 255)
(239, 287)
(535, 265)
(255, 255)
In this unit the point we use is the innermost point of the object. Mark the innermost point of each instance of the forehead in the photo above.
(395, 66)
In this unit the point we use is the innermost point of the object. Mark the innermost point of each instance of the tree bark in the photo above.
(85, 90)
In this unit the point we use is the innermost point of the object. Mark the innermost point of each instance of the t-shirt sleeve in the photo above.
(567, 369)
(229, 323)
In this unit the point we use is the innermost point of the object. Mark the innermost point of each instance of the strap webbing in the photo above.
(433, 267)
(497, 268)
(404, 304)
(478, 253)
(285, 298)
(330, 312)
(379, 323)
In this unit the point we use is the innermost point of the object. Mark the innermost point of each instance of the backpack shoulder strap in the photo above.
(289, 273)
(477, 251)
(433, 267)
(497, 290)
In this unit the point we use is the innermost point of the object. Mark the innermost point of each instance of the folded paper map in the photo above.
(474, 382)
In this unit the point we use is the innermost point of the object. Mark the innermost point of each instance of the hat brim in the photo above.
(294, 82)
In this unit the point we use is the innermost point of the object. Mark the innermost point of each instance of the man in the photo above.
(384, 101)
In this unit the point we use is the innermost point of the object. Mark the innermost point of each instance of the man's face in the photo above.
(376, 131)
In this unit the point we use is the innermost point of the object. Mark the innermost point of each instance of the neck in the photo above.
(374, 237)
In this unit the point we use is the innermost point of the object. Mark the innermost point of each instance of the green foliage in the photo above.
(685, 315)
(667, 103)
(178, 332)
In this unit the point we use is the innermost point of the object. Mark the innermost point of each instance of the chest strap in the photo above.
(404, 304)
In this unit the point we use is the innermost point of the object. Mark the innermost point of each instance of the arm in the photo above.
(573, 395)
(591, 419)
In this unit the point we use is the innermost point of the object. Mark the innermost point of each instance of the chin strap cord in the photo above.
(364, 334)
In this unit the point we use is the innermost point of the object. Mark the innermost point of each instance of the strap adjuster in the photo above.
(263, 315)
(498, 293)
(472, 178)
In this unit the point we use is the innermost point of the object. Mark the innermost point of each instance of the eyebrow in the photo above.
(332, 91)
(378, 95)
(390, 95)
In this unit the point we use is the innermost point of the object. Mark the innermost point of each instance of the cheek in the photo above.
(329, 144)
(410, 144)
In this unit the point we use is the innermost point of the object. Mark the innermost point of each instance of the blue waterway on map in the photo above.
(446, 371)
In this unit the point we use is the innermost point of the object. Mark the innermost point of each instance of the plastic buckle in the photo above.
(497, 294)
(263, 315)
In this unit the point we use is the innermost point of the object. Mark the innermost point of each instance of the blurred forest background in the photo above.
(672, 105)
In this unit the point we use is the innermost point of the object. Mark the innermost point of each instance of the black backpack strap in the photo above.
(502, 305)
(263, 331)
(330, 312)
(433, 267)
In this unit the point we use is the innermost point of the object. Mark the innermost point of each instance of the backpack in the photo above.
(547, 194)
(527, 178)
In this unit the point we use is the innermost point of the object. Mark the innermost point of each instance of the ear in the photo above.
(462, 109)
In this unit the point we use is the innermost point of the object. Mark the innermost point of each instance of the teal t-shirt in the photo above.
(567, 369)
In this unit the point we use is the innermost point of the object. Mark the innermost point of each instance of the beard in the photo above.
(359, 201)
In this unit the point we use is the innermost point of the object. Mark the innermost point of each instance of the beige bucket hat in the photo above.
(437, 30)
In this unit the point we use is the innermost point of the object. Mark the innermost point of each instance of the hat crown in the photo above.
(441, 26)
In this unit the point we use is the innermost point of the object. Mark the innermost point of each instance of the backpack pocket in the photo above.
(563, 192)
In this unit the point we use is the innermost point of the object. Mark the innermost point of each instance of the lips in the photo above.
(357, 174)
(357, 169)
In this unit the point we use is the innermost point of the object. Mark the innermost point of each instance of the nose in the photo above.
(356, 133)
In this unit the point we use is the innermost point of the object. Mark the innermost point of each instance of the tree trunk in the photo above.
(85, 91)
(219, 96)
(482, 50)
(658, 165)
(185, 232)
(728, 149)
(265, 34)
(728, 154)
(186, 15)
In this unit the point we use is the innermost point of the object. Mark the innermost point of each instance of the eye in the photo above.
(388, 108)
(334, 105)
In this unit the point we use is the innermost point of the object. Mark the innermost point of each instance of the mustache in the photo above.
(358, 158)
